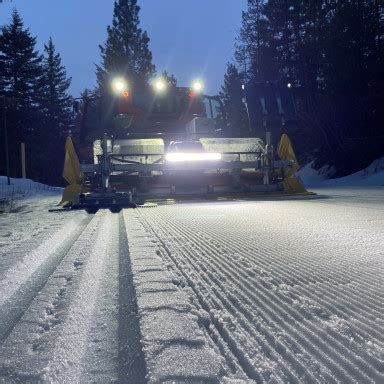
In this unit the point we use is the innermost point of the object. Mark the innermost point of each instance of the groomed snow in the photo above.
(290, 291)
(173, 343)
(280, 290)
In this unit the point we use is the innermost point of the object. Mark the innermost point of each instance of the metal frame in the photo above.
(106, 167)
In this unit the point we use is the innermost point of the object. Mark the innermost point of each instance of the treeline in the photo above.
(125, 54)
(332, 54)
(34, 92)
(33, 95)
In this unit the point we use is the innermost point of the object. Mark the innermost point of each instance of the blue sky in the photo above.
(189, 38)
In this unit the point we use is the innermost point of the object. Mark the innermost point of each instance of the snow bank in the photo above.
(310, 175)
(373, 175)
(20, 188)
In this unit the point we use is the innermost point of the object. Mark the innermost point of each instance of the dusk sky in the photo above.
(189, 38)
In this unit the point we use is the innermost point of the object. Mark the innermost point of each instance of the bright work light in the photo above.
(197, 86)
(119, 85)
(160, 85)
(199, 156)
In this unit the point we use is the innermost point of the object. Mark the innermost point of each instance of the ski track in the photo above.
(69, 330)
(173, 343)
(232, 292)
(18, 275)
(20, 233)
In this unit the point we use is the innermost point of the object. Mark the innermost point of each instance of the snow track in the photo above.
(174, 346)
(292, 300)
(70, 316)
(232, 292)
(23, 281)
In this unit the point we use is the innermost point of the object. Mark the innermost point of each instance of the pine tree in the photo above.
(55, 102)
(55, 105)
(253, 51)
(170, 79)
(352, 52)
(20, 63)
(20, 73)
(311, 36)
(232, 99)
(332, 51)
(279, 14)
(126, 52)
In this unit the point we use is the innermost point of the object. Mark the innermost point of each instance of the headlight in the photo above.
(185, 156)
(197, 86)
(160, 85)
(119, 85)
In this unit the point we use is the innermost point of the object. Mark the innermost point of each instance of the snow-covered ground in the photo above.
(25, 187)
(279, 290)
(21, 190)
(373, 176)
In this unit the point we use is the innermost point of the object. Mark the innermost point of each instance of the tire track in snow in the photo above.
(82, 326)
(38, 340)
(66, 362)
(351, 367)
(21, 241)
(132, 365)
(23, 281)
